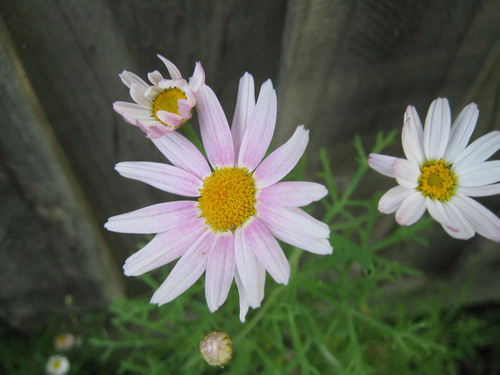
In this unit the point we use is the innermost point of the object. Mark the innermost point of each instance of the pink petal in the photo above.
(164, 248)
(282, 160)
(198, 77)
(437, 129)
(245, 105)
(478, 151)
(407, 173)
(243, 296)
(134, 108)
(461, 132)
(382, 164)
(220, 270)
(484, 173)
(260, 129)
(185, 108)
(214, 129)
(169, 118)
(129, 78)
(183, 154)
(248, 268)
(484, 222)
(292, 193)
(393, 198)
(162, 176)
(187, 270)
(267, 250)
(157, 218)
(412, 136)
(172, 69)
(155, 77)
(411, 209)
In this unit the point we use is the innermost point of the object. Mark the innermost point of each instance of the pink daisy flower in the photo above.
(230, 231)
(441, 172)
(164, 106)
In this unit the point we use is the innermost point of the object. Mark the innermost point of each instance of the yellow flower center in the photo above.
(227, 198)
(167, 101)
(436, 180)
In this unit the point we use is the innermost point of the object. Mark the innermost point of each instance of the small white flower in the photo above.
(166, 105)
(441, 173)
(64, 341)
(57, 365)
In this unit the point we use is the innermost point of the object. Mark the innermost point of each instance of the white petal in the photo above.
(172, 69)
(478, 151)
(411, 209)
(484, 173)
(407, 173)
(220, 270)
(458, 227)
(183, 154)
(129, 78)
(412, 137)
(382, 164)
(282, 160)
(187, 270)
(198, 77)
(393, 198)
(245, 105)
(155, 77)
(437, 211)
(484, 222)
(292, 193)
(162, 176)
(157, 218)
(242, 296)
(437, 129)
(461, 131)
(260, 129)
(137, 93)
(479, 191)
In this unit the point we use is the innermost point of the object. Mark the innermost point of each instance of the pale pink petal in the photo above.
(267, 250)
(282, 160)
(198, 77)
(407, 173)
(382, 164)
(461, 132)
(162, 176)
(484, 173)
(133, 108)
(393, 198)
(437, 211)
(412, 137)
(172, 69)
(297, 229)
(260, 129)
(129, 78)
(155, 77)
(411, 209)
(245, 105)
(137, 93)
(242, 297)
(157, 218)
(437, 129)
(459, 227)
(478, 151)
(220, 270)
(169, 118)
(185, 108)
(183, 154)
(187, 270)
(479, 191)
(292, 193)
(248, 267)
(164, 247)
(214, 129)
(484, 222)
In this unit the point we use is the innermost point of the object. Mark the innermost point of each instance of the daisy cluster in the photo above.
(237, 205)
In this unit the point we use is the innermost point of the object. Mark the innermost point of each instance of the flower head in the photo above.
(165, 105)
(57, 365)
(441, 173)
(216, 348)
(230, 231)
(64, 341)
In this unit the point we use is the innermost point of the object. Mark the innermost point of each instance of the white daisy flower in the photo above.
(166, 105)
(441, 173)
(57, 365)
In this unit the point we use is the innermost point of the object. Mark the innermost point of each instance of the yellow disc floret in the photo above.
(167, 101)
(227, 198)
(436, 180)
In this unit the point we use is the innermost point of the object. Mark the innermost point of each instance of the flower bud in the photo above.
(216, 348)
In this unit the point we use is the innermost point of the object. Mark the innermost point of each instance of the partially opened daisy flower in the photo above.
(165, 105)
(230, 231)
(441, 172)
